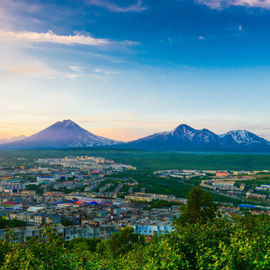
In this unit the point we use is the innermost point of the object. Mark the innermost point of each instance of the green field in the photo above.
(146, 160)
(170, 186)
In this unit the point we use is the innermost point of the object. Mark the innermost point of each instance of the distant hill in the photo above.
(186, 138)
(63, 134)
(13, 139)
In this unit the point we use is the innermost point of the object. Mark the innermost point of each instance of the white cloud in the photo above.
(51, 37)
(201, 37)
(36, 70)
(14, 12)
(108, 72)
(22, 65)
(220, 4)
(17, 5)
(136, 7)
(27, 66)
(76, 68)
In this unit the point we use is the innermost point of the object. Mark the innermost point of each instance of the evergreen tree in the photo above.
(199, 208)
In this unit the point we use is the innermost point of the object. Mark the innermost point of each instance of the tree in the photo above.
(66, 222)
(82, 244)
(199, 208)
(6, 223)
(121, 243)
(238, 243)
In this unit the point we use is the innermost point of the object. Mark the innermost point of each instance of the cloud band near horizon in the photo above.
(136, 7)
(51, 37)
(221, 4)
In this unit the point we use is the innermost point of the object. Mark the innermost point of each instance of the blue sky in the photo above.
(125, 69)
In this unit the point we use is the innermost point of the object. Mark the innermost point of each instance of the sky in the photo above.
(126, 69)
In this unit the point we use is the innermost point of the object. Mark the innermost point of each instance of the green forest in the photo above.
(148, 160)
(201, 239)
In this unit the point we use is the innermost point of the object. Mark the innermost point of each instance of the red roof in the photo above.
(10, 203)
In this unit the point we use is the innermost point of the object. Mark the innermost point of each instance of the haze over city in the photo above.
(127, 69)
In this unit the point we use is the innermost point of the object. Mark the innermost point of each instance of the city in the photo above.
(93, 197)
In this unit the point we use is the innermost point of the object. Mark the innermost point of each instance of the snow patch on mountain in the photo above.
(243, 137)
(184, 131)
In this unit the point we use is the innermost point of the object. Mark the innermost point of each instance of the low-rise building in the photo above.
(10, 205)
(256, 196)
(149, 230)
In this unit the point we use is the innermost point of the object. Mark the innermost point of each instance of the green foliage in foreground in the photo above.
(242, 243)
(6, 223)
(201, 240)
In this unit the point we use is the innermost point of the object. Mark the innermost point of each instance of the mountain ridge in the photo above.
(67, 134)
(186, 138)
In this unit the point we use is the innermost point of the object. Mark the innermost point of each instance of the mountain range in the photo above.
(186, 138)
(67, 134)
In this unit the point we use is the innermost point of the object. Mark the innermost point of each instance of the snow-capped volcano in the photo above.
(63, 134)
(186, 138)
(243, 137)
